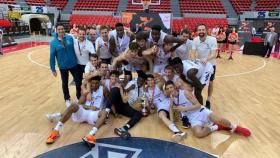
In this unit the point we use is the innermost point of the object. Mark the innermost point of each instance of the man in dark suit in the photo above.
(270, 41)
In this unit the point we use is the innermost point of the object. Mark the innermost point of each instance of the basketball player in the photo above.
(85, 111)
(123, 104)
(194, 73)
(102, 45)
(204, 48)
(92, 65)
(156, 97)
(203, 121)
(113, 81)
(119, 40)
(184, 50)
(62, 49)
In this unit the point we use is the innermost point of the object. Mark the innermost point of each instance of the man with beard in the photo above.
(204, 48)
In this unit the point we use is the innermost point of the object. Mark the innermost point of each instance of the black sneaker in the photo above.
(122, 133)
(208, 104)
(186, 123)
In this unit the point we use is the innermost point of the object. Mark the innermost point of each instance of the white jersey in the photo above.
(107, 84)
(97, 98)
(156, 97)
(181, 100)
(196, 117)
(104, 50)
(82, 51)
(204, 71)
(161, 39)
(184, 50)
(161, 57)
(135, 93)
(121, 43)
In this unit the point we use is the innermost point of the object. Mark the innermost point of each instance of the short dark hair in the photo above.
(186, 31)
(150, 76)
(175, 61)
(114, 72)
(93, 56)
(59, 24)
(169, 83)
(141, 35)
(119, 25)
(103, 62)
(81, 29)
(97, 78)
(133, 46)
(156, 27)
(103, 27)
(201, 24)
(168, 67)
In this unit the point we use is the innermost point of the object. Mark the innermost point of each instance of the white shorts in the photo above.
(158, 68)
(200, 118)
(163, 105)
(83, 115)
(206, 74)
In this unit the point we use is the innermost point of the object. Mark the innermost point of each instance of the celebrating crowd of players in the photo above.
(136, 74)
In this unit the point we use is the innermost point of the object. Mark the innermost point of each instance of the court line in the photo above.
(221, 76)
(29, 56)
(246, 72)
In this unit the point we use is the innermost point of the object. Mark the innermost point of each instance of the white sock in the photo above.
(214, 128)
(173, 128)
(127, 125)
(233, 127)
(108, 110)
(209, 98)
(58, 126)
(93, 131)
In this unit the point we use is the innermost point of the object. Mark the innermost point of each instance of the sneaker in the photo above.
(54, 135)
(122, 133)
(243, 131)
(208, 104)
(186, 123)
(54, 117)
(68, 103)
(179, 136)
(89, 140)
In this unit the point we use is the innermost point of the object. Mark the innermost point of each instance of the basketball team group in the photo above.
(119, 72)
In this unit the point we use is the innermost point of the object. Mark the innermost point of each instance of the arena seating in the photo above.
(97, 5)
(55, 3)
(267, 5)
(93, 19)
(241, 5)
(202, 6)
(164, 7)
(7, 1)
(178, 24)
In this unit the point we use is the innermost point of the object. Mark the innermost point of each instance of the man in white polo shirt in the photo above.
(83, 48)
(204, 48)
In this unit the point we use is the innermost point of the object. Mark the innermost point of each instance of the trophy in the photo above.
(144, 104)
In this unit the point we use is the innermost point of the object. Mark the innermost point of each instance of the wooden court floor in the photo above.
(246, 92)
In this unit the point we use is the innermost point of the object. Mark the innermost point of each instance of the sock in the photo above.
(214, 128)
(58, 126)
(233, 127)
(108, 110)
(209, 98)
(173, 128)
(126, 127)
(93, 131)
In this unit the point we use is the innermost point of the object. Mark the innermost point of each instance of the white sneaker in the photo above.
(68, 103)
(54, 117)
(179, 136)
